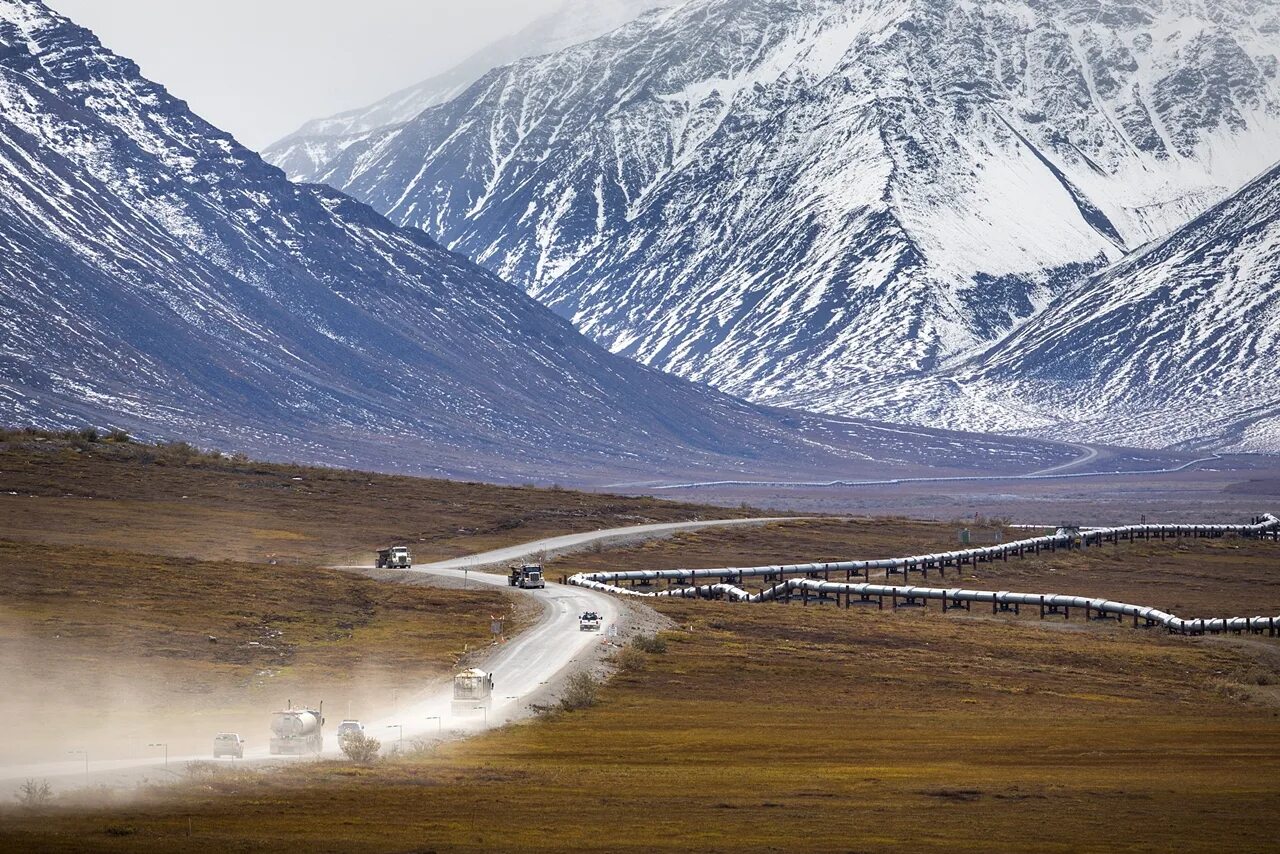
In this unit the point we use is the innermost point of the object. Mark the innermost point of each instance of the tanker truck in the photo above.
(297, 731)
(472, 690)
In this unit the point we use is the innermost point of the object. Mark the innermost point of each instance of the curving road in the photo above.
(567, 544)
(524, 668)
(1088, 453)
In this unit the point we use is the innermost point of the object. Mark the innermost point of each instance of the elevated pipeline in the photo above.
(1266, 525)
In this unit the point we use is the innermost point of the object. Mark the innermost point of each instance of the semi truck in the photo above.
(394, 557)
(472, 689)
(297, 731)
(526, 576)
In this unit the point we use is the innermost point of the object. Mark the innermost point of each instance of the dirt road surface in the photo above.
(526, 669)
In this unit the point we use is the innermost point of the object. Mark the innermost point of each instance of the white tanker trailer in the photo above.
(472, 690)
(297, 731)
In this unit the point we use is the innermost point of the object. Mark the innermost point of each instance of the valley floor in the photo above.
(156, 595)
(1230, 487)
(797, 729)
(753, 728)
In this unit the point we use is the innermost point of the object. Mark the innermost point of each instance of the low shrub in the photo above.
(360, 748)
(34, 794)
(651, 644)
(1259, 675)
(202, 769)
(629, 659)
(420, 748)
(580, 692)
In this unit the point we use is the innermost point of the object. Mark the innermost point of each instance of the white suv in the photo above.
(228, 744)
(350, 727)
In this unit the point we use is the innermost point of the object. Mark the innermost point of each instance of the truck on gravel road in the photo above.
(472, 689)
(394, 557)
(526, 576)
(589, 622)
(297, 731)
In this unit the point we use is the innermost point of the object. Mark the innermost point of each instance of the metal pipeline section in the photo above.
(1096, 536)
(1152, 616)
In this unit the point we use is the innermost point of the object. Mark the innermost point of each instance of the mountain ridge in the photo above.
(159, 277)
(782, 200)
(1174, 346)
(304, 153)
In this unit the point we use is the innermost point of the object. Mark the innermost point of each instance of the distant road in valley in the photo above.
(1055, 473)
(1088, 454)
(568, 543)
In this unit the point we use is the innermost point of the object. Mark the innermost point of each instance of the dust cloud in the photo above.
(66, 699)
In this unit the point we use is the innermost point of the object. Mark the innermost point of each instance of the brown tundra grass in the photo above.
(768, 728)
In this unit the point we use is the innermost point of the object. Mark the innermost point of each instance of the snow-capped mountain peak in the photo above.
(157, 276)
(1176, 345)
(786, 199)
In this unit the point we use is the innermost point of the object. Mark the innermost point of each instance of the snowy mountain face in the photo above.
(792, 199)
(1177, 345)
(159, 277)
(307, 151)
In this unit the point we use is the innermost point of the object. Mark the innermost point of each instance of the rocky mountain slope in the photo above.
(791, 199)
(1179, 344)
(307, 151)
(157, 276)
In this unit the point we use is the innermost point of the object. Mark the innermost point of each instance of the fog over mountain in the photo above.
(307, 152)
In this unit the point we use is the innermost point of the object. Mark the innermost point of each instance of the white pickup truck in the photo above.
(589, 622)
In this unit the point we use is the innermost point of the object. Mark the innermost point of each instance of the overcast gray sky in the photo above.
(260, 68)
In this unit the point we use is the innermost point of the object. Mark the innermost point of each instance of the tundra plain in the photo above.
(746, 728)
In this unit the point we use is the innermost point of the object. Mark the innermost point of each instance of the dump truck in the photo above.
(297, 731)
(526, 576)
(472, 689)
(589, 622)
(394, 557)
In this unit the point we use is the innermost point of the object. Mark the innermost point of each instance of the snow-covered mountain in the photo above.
(157, 276)
(1178, 344)
(790, 198)
(307, 151)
